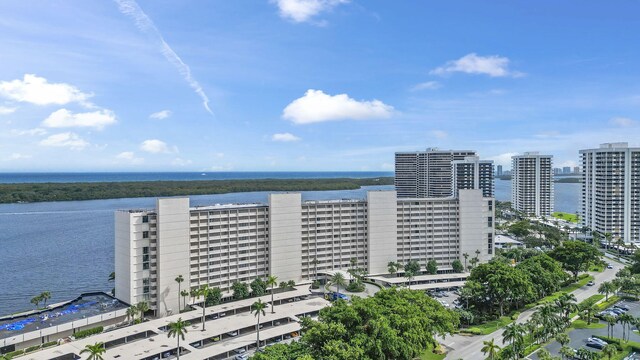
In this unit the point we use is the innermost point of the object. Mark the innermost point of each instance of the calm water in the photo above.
(67, 247)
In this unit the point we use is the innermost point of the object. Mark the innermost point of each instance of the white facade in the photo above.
(532, 190)
(291, 239)
(611, 191)
(473, 173)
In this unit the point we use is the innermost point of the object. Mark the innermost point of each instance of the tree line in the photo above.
(37, 192)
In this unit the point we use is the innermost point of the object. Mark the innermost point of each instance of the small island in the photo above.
(39, 192)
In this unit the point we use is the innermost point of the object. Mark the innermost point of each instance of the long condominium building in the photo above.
(430, 173)
(611, 190)
(532, 184)
(291, 239)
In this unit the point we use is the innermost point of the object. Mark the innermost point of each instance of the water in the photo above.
(67, 247)
(180, 176)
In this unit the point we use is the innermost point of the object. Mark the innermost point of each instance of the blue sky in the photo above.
(310, 84)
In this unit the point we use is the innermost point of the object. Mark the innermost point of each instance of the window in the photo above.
(145, 250)
(490, 221)
(145, 234)
(145, 266)
(145, 219)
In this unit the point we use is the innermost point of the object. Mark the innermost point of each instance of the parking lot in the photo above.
(579, 336)
(445, 297)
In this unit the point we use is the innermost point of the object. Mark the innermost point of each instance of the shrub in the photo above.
(515, 315)
(15, 353)
(355, 286)
(32, 348)
(84, 333)
(49, 344)
(315, 284)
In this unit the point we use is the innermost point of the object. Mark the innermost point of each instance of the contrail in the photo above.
(146, 25)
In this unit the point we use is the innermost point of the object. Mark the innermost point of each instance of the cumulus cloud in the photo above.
(494, 66)
(160, 115)
(18, 156)
(622, 122)
(304, 10)
(64, 118)
(429, 85)
(7, 110)
(439, 134)
(68, 139)
(503, 159)
(180, 162)
(145, 24)
(37, 90)
(285, 137)
(29, 132)
(316, 106)
(156, 146)
(130, 157)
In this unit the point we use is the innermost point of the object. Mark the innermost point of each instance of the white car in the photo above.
(232, 333)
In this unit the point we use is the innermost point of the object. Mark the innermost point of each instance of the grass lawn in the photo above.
(489, 327)
(569, 288)
(582, 324)
(430, 355)
(566, 216)
(605, 304)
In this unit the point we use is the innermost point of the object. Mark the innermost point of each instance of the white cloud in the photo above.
(285, 137)
(180, 162)
(145, 24)
(156, 146)
(503, 159)
(37, 90)
(316, 106)
(7, 110)
(439, 134)
(64, 118)
(304, 10)
(29, 132)
(68, 139)
(494, 66)
(160, 115)
(219, 155)
(622, 122)
(130, 157)
(18, 156)
(429, 85)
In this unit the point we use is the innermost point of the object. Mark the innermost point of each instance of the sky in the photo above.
(310, 85)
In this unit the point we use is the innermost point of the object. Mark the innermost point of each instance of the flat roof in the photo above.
(402, 279)
(161, 343)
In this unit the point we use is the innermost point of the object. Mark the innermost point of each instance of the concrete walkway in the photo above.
(468, 347)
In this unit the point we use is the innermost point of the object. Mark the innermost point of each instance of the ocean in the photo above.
(67, 247)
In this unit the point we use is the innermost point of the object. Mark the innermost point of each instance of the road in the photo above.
(468, 347)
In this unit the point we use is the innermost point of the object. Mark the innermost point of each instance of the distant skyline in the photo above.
(310, 85)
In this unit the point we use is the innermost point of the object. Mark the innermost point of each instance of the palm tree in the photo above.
(544, 354)
(607, 287)
(567, 303)
(36, 300)
(131, 313)
(609, 351)
(314, 262)
(179, 280)
(626, 320)
(184, 294)
(177, 329)
(338, 280)
(204, 291)
(95, 351)
(514, 335)
(490, 348)
(620, 244)
(391, 268)
(142, 308)
(588, 310)
(466, 256)
(567, 352)
(607, 237)
(257, 309)
(272, 281)
(46, 295)
(194, 294)
(611, 322)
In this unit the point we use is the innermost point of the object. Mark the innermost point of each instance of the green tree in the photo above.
(258, 287)
(338, 280)
(431, 267)
(611, 322)
(142, 308)
(214, 296)
(465, 256)
(272, 281)
(184, 294)
(178, 329)
(240, 290)
(567, 352)
(490, 348)
(46, 295)
(258, 308)
(607, 287)
(95, 351)
(567, 303)
(131, 313)
(514, 335)
(194, 294)
(411, 269)
(609, 351)
(36, 300)
(588, 309)
(179, 279)
(203, 292)
(625, 320)
(392, 268)
(563, 339)
(457, 266)
(576, 256)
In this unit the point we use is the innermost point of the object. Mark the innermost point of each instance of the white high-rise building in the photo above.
(421, 174)
(473, 173)
(532, 184)
(611, 191)
(291, 239)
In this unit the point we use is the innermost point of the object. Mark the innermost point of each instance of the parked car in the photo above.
(239, 351)
(233, 333)
(591, 283)
(621, 306)
(609, 266)
(242, 357)
(596, 343)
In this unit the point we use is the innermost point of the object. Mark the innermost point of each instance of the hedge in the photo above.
(32, 348)
(49, 344)
(84, 333)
